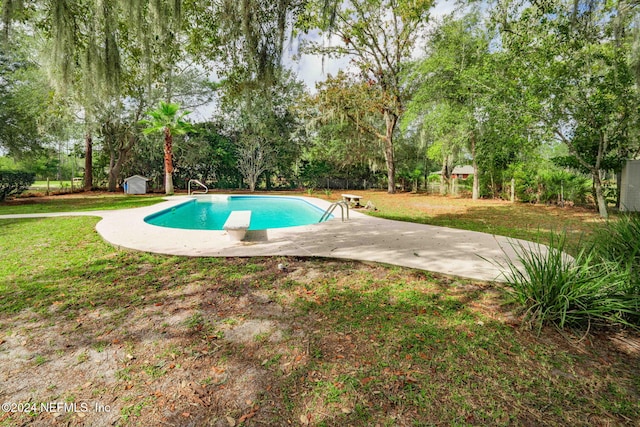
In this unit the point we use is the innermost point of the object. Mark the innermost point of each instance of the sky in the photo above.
(314, 68)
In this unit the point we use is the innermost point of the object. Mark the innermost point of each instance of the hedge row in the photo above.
(15, 182)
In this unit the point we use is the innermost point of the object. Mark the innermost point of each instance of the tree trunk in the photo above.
(88, 162)
(391, 120)
(475, 195)
(114, 170)
(597, 180)
(267, 177)
(443, 177)
(123, 156)
(618, 187)
(112, 175)
(113, 178)
(168, 161)
(600, 199)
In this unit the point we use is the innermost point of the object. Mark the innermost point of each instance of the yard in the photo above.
(139, 339)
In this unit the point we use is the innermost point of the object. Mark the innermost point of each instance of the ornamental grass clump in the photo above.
(554, 288)
(619, 242)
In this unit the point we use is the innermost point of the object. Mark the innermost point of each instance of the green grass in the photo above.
(63, 263)
(70, 204)
(437, 356)
(54, 184)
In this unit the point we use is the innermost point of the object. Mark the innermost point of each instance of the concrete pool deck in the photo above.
(462, 253)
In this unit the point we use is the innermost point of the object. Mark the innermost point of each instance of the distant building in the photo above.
(462, 172)
(135, 184)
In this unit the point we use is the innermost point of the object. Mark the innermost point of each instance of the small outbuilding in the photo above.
(630, 188)
(462, 172)
(135, 184)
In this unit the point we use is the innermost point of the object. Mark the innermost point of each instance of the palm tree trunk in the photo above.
(168, 161)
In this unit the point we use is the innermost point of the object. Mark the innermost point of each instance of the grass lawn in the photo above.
(54, 184)
(164, 340)
(76, 202)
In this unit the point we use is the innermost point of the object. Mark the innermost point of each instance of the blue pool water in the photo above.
(211, 214)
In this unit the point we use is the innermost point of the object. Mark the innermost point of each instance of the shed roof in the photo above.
(137, 177)
(463, 170)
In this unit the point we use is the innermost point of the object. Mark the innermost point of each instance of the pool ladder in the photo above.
(332, 207)
(195, 181)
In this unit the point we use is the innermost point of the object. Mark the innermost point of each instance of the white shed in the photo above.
(135, 184)
(630, 188)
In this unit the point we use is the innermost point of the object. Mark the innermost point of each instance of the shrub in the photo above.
(556, 289)
(549, 184)
(15, 182)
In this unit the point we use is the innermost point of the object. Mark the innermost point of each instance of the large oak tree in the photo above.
(378, 36)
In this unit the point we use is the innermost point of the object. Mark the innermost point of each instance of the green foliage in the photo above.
(327, 174)
(264, 127)
(208, 156)
(24, 102)
(164, 117)
(45, 165)
(462, 106)
(571, 292)
(254, 34)
(576, 77)
(543, 183)
(15, 182)
(313, 173)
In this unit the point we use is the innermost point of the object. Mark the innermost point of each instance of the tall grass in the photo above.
(619, 241)
(554, 288)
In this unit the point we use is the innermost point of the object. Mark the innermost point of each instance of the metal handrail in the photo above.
(206, 189)
(332, 207)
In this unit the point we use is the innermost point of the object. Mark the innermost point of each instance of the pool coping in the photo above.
(463, 253)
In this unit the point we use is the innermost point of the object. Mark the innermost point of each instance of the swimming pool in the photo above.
(211, 212)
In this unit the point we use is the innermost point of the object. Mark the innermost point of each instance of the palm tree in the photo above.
(166, 119)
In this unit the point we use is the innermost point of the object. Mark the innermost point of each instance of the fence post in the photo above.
(48, 188)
